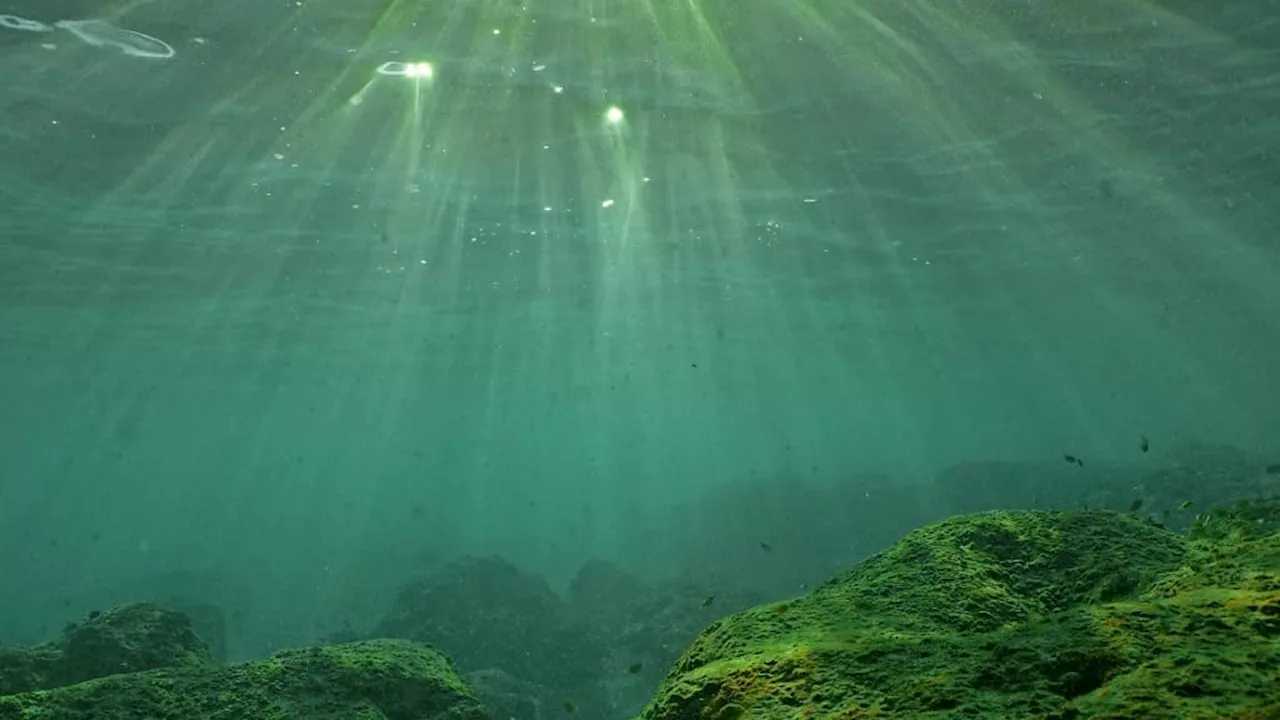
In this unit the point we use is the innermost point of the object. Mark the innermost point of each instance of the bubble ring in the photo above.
(130, 42)
(13, 22)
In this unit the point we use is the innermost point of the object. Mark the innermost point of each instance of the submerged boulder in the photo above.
(506, 697)
(140, 636)
(486, 614)
(1088, 614)
(370, 680)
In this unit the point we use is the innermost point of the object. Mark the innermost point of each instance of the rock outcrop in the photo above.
(1085, 614)
(142, 662)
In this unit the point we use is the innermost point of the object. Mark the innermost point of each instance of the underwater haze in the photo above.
(302, 300)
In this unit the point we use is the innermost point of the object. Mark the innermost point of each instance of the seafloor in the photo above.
(1001, 614)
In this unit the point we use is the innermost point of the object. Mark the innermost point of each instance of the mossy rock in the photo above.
(371, 680)
(998, 615)
(23, 669)
(130, 638)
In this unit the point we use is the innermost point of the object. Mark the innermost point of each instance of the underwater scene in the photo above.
(639, 360)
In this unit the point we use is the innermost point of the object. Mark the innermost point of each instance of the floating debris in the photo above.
(1072, 459)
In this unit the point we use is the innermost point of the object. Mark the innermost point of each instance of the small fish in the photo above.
(1273, 469)
(710, 599)
(1136, 505)
(766, 546)
(635, 668)
(570, 707)
(781, 607)
(1184, 504)
(1143, 445)
(1072, 459)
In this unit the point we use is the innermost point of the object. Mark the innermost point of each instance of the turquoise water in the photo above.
(309, 294)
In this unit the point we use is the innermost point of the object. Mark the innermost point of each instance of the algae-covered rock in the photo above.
(1003, 615)
(29, 668)
(371, 680)
(141, 636)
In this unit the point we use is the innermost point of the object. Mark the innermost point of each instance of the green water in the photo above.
(269, 313)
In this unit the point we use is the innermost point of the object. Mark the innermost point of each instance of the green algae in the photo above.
(372, 680)
(1006, 615)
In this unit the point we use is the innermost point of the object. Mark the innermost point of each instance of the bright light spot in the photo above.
(557, 89)
(607, 203)
(409, 70)
(613, 115)
(496, 31)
